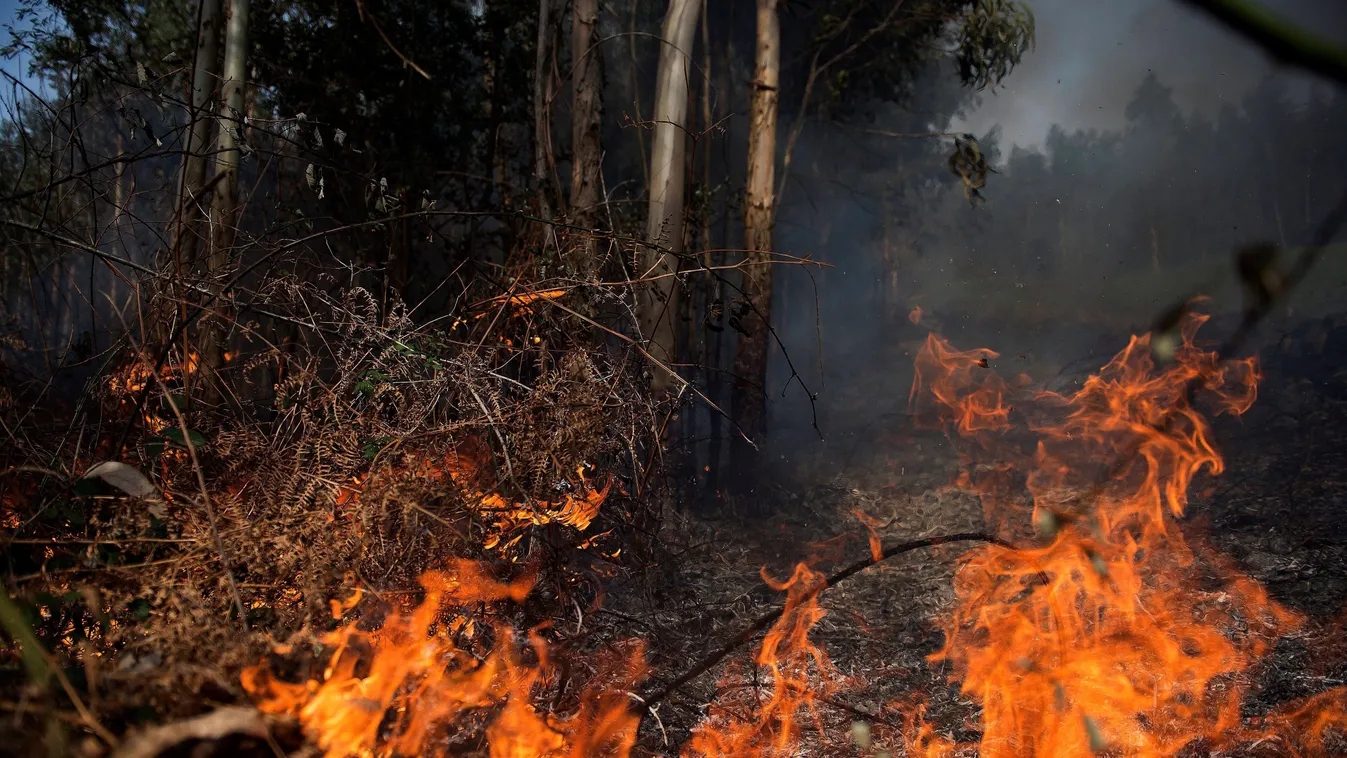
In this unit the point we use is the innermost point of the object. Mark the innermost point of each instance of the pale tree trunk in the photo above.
(586, 119)
(205, 77)
(750, 354)
(664, 224)
(542, 121)
(225, 205)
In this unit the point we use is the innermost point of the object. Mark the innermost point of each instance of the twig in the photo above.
(405, 60)
(1278, 37)
(205, 498)
(1253, 316)
(767, 619)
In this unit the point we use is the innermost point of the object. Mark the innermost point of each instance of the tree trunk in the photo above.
(586, 119)
(586, 112)
(542, 122)
(225, 205)
(664, 224)
(750, 355)
(205, 73)
(715, 378)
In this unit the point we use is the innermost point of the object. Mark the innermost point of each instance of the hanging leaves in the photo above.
(970, 164)
(993, 37)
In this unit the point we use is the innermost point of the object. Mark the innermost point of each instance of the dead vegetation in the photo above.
(383, 449)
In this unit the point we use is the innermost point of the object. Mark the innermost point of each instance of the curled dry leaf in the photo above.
(125, 478)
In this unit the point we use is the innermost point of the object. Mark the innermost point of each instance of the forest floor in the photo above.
(1276, 511)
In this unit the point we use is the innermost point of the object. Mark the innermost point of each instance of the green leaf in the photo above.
(372, 447)
(140, 608)
(175, 435)
(30, 650)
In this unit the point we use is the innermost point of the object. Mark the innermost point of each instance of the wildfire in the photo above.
(1106, 638)
(1112, 635)
(738, 725)
(138, 374)
(431, 675)
(576, 509)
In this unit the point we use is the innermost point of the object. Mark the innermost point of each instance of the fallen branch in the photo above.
(767, 619)
(215, 725)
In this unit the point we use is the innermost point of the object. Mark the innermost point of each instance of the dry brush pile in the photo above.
(348, 459)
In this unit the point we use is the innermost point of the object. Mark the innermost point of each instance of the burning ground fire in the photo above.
(1106, 634)
(465, 469)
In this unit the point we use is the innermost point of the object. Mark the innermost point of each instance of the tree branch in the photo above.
(1278, 37)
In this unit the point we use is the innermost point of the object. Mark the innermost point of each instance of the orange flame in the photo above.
(788, 658)
(576, 509)
(395, 691)
(1105, 639)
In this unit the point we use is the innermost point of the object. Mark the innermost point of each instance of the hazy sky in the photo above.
(1091, 54)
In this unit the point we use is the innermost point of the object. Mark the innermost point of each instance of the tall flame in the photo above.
(1112, 636)
(738, 726)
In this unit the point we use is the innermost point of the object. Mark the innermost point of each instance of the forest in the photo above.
(559, 378)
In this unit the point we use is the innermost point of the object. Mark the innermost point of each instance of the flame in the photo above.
(397, 691)
(138, 374)
(576, 509)
(788, 659)
(1107, 637)
(915, 314)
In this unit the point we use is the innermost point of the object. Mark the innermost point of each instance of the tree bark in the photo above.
(542, 121)
(205, 73)
(225, 202)
(750, 355)
(586, 120)
(664, 222)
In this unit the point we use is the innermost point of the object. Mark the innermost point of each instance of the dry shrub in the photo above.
(362, 452)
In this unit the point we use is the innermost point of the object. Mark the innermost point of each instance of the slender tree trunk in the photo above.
(706, 288)
(586, 121)
(542, 120)
(715, 379)
(225, 205)
(750, 355)
(205, 76)
(664, 224)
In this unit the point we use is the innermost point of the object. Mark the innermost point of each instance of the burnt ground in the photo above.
(1277, 511)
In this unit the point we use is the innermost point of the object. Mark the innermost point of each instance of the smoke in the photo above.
(1091, 55)
(1084, 236)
